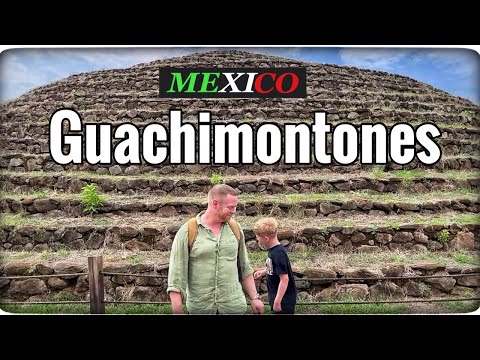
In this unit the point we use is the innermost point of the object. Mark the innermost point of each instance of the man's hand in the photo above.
(177, 309)
(176, 300)
(257, 306)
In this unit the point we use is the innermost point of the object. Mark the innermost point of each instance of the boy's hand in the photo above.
(277, 307)
(259, 274)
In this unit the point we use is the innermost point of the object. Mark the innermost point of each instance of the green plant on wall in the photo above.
(443, 236)
(216, 179)
(91, 199)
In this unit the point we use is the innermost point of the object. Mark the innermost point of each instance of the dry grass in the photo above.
(196, 198)
(296, 223)
(126, 257)
(300, 260)
(307, 174)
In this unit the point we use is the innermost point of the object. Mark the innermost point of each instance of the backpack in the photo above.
(193, 231)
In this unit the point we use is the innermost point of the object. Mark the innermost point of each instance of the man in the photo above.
(207, 275)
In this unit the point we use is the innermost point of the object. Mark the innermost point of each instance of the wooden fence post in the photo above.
(95, 283)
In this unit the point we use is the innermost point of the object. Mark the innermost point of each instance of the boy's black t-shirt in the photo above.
(278, 263)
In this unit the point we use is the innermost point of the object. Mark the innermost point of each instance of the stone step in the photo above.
(371, 104)
(299, 182)
(329, 91)
(333, 280)
(149, 97)
(294, 205)
(22, 161)
(40, 145)
(40, 130)
(288, 112)
(117, 98)
(318, 76)
(146, 231)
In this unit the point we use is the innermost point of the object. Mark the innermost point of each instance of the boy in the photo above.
(282, 293)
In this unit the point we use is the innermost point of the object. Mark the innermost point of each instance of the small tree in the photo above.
(91, 200)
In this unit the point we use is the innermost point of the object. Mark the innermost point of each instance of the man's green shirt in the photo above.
(207, 275)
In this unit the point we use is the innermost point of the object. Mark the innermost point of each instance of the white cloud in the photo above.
(379, 58)
(458, 62)
(454, 70)
(24, 69)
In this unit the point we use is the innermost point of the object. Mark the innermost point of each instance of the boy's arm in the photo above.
(260, 273)
(282, 287)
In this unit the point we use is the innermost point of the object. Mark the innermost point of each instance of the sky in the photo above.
(455, 70)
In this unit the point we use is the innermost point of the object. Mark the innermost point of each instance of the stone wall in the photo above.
(333, 209)
(332, 238)
(266, 184)
(313, 285)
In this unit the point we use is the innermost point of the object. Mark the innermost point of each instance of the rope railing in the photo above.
(388, 301)
(408, 277)
(130, 274)
(326, 278)
(41, 276)
(44, 302)
(97, 294)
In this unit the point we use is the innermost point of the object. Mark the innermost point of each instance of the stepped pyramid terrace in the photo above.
(342, 224)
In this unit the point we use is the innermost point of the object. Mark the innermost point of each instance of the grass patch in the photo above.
(100, 222)
(134, 259)
(353, 309)
(17, 255)
(66, 296)
(460, 175)
(85, 308)
(47, 255)
(462, 257)
(92, 200)
(41, 194)
(461, 306)
(393, 224)
(257, 258)
(302, 259)
(18, 219)
(63, 252)
(433, 257)
(160, 309)
(378, 172)
(399, 258)
(408, 175)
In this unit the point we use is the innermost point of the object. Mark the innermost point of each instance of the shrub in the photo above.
(216, 179)
(443, 236)
(91, 200)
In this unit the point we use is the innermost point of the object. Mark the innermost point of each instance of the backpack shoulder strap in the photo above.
(192, 231)
(235, 228)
